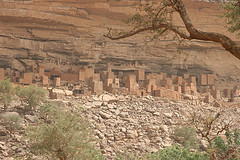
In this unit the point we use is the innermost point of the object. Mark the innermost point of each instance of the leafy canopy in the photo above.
(228, 148)
(32, 95)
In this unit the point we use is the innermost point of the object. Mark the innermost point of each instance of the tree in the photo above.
(62, 135)
(6, 93)
(158, 17)
(211, 128)
(32, 95)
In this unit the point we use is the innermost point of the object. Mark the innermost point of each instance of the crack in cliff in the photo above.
(13, 48)
(36, 39)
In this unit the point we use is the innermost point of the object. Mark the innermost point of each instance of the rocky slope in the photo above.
(123, 123)
(63, 33)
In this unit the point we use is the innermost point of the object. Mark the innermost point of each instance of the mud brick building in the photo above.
(177, 80)
(122, 79)
(57, 82)
(40, 71)
(141, 93)
(131, 84)
(89, 72)
(81, 75)
(27, 78)
(97, 87)
(44, 80)
(70, 77)
(210, 79)
(150, 85)
(8, 72)
(202, 80)
(186, 76)
(227, 93)
(2, 74)
(52, 73)
(216, 94)
(140, 75)
(193, 80)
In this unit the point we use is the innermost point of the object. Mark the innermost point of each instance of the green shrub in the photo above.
(176, 153)
(62, 136)
(228, 148)
(11, 121)
(187, 137)
(32, 95)
(171, 153)
(6, 93)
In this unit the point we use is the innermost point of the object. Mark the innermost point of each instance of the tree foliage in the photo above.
(157, 17)
(232, 14)
(32, 95)
(212, 129)
(228, 147)
(7, 93)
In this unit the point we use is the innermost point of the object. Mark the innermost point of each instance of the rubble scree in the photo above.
(124, 123)
(141, 124)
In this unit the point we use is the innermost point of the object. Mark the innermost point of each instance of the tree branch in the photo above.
(194, 33)
(225, 41)
(151, 28)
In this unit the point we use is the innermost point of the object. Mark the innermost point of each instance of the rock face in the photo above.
(65, 33)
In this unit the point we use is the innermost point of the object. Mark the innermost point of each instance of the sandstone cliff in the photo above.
(63, 33)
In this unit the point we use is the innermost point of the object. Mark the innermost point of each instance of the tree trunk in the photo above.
(225, 41)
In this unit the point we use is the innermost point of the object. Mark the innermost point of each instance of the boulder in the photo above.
(132, 134)
(105, 115)
(106, 97)
(32, 119)
(164, 128)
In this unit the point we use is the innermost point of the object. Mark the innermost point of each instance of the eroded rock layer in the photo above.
(64, 33)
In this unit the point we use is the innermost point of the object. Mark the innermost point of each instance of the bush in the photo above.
(228, 148)
(64, 136)
(32, 95)
(171, 153)
(187, 137)
(6, 93)
(12, 121)
(176, 153)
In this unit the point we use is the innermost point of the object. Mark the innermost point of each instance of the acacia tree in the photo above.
(158, 17)
(212, 129)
